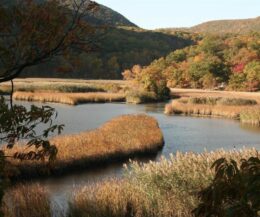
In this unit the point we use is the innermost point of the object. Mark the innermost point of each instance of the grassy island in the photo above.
(245, 110)
(117, 140)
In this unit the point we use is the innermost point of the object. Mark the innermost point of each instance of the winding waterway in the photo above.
(180, 134)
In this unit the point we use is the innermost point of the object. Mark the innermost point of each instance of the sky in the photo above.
(152, 14)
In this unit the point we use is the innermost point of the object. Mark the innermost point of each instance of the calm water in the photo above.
(180, 134)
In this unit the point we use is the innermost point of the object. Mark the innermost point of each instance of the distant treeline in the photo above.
(116, 50)
(217, 61)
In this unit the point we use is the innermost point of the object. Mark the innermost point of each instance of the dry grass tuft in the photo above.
(116, 140)
(70, 98)
(26, 201)
(250, 116)
(163, 189)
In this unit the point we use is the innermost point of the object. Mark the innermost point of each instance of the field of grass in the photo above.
(167, 188)
(29, 200)
(117, 140)
(70, 98)
(245, 110)
(177, 92)
(64, 86)
(158, 189)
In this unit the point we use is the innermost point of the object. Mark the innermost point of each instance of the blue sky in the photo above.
(151, 14)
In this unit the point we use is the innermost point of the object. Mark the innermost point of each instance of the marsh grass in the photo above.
(177, 107)
(221, 101)
(26, 201)
(167, 188)
(250, 116)
(70, 98)
(65, 86)
(245, 110)
(117, 140)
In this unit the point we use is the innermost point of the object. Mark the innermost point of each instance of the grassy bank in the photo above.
(178, 92)
(117, 140)
(70, 98)
(64, 85)
(245, 110)
(161, 189)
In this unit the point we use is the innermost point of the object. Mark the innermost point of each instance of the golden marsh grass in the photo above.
(26, 201)
(214, 93)
(116, 140)
(159, 189)
(249, 114)
(166, 188)
(70, 98)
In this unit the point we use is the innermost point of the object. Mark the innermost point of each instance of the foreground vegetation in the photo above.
(162, 189)
(117, 140)
(245, 110)
(167, 188)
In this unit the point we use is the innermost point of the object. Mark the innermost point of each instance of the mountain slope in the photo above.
(107, 16)
(228, 26)
(240, 26)
(102, 16)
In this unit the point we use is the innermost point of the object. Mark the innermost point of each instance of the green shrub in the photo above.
(234, 191)
(140, 96)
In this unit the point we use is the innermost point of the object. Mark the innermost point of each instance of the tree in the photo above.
(234, 190)
(252, 71)
(32, 33)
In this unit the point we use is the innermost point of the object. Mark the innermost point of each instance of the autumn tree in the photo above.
(32, 33)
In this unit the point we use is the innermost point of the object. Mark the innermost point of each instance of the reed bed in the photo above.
(177, 107)
(70, 98)
(26, 201)
(167, 188)
(250, 116)
(65, 85)
(220, 101)
(119, 139)
(245, 110)
(177, 92)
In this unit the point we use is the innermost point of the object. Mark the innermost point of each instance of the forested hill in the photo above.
(107, 16)
(121, 46)
(119, 49)
(240, 26)
(229, 26)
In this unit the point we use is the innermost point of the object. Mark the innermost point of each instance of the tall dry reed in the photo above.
(167, 188)
(27, 201)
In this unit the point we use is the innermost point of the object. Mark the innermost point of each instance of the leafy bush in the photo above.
(140, 96)
(234, 191)
(149, 81)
